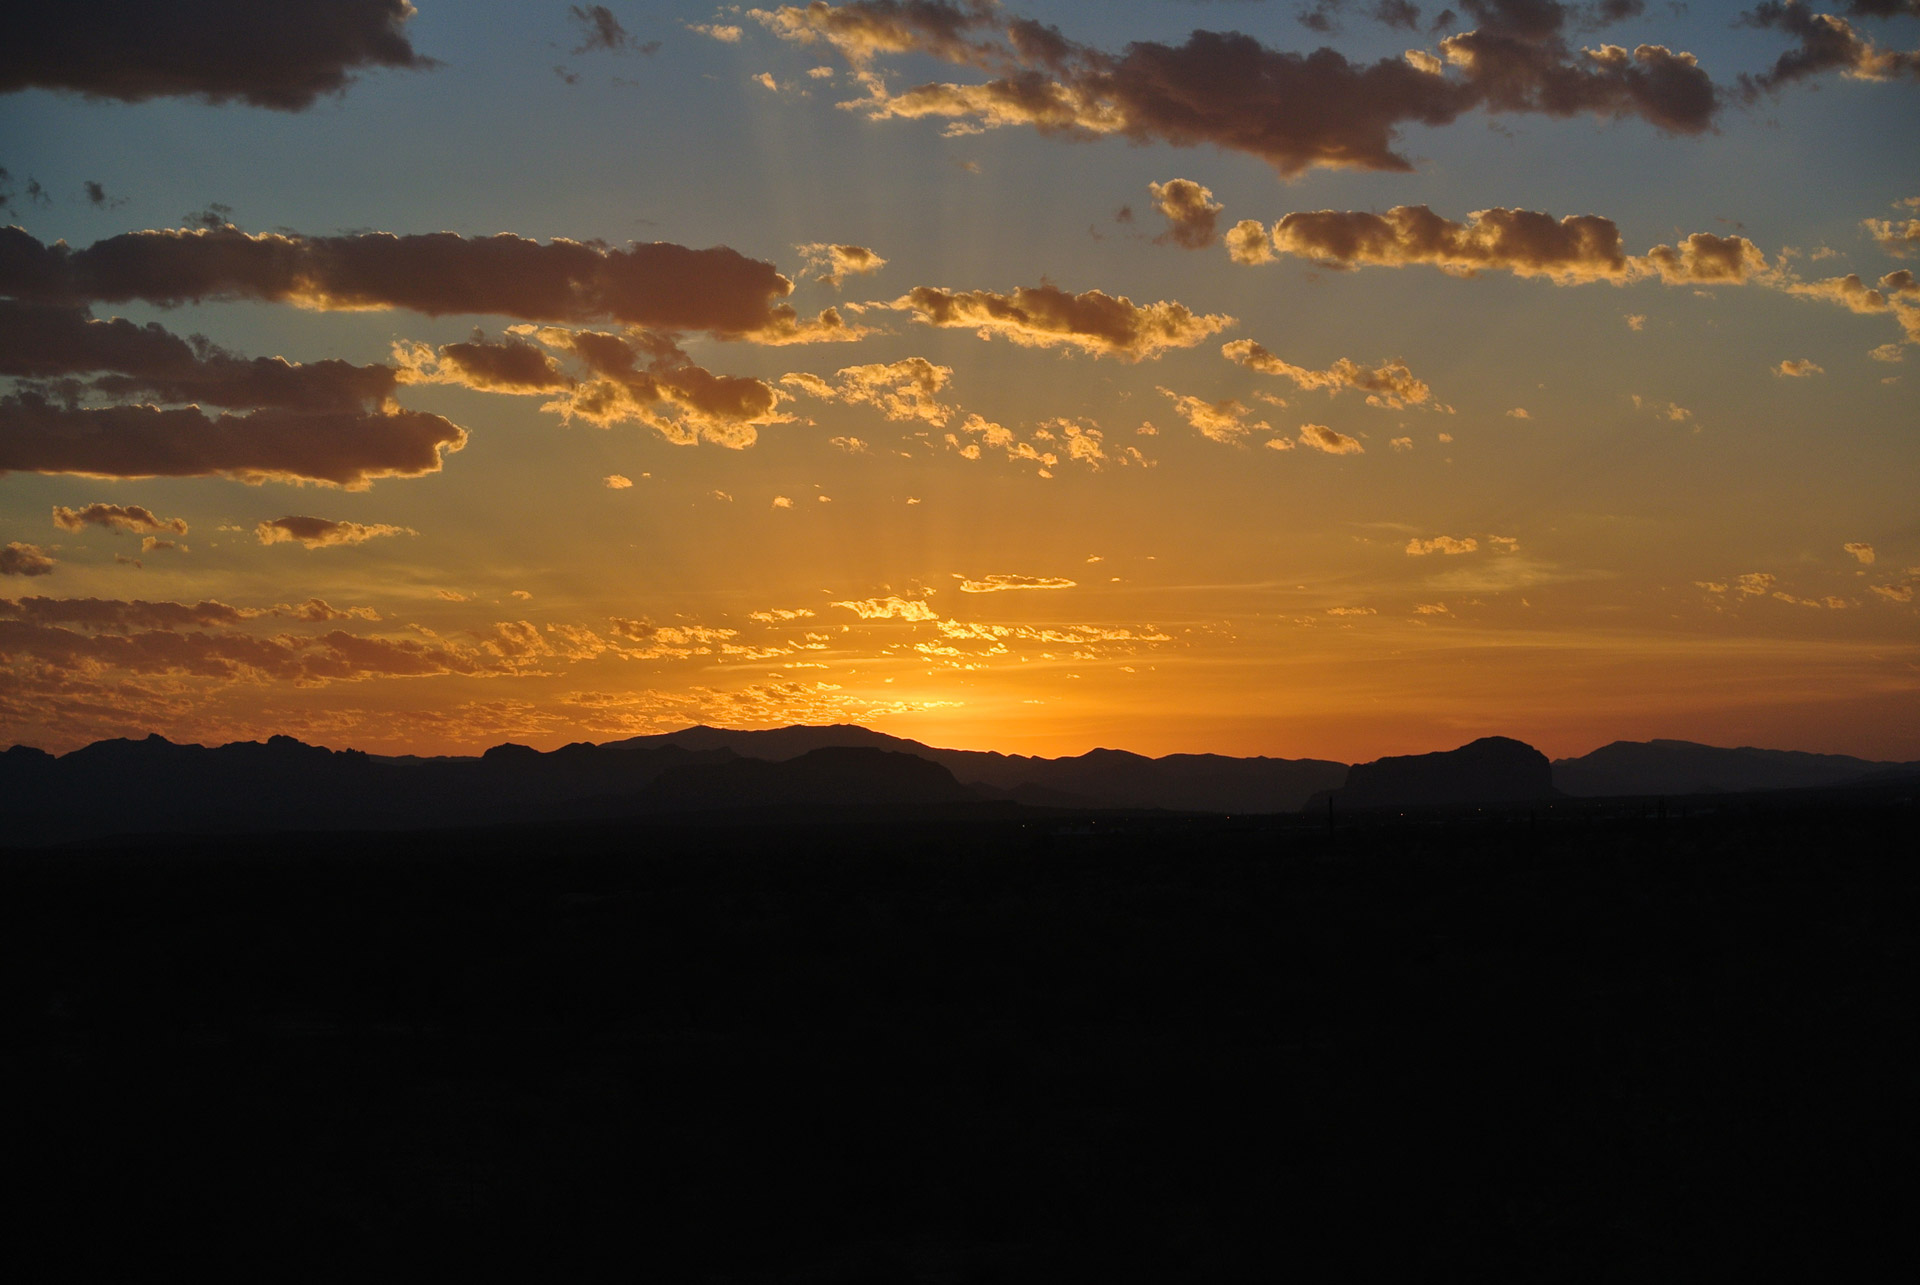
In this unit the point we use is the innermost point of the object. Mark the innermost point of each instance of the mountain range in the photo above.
(154, 786)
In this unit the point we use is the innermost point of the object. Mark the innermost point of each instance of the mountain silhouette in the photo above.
(1099, 778)
(833, 776)
(1684, 767)
(154, 786)
(1493, 769)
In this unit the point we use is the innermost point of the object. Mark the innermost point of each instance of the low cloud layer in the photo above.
(283, 55)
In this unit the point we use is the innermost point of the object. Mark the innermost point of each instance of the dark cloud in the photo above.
(335, 656)
(599, 29)
(657, 284)
(1227, 90)
(115, 517)
(1827, 42)
(323, 533)
(111, 613)
(18, 559)
(348, 448)
(1192, 214)
(1529, 243)
(98, 198)
(1046, 316)
(42, 341)
(510, 365)
(1583, 247)
(281, 55)
(646, 377)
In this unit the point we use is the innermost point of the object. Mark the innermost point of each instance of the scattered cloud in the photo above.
(599, 29)
(1573, 250)
(320, 533)
(892, 607)
(1222, 421)
(998, 583)
(339, 448)
(1519, 412)
(1248, 243)
(1046, 316)
(1862, 553)
(1191, 212)
(1292, 110)
(1447, 544)
(645, 377)
(19, 559)
(282, 56)
(616, 482)
(115, 517)
(1322, 438)
(1798, 368)
(653, 284)
(835, 263)
(1392, 386)
(1826, 42)
(904, 390)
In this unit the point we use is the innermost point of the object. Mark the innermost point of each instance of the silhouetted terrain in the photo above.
(1108, 778)
(1563, 1042)
(1683, 767)
(1493, 769)
(155, 786)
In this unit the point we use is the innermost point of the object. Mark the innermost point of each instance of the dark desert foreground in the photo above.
(1601, 1044)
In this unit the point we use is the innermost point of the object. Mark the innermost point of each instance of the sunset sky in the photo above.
(1303, 379)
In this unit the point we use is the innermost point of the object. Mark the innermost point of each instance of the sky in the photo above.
(1331, 379)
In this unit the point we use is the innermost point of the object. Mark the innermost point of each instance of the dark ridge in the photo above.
(1491, 770)
(1684, 767)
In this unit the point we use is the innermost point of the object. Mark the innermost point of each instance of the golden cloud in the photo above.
(115, 517)
(1046, 317)
(321, 533)
(999, 583)
(1392, 386)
